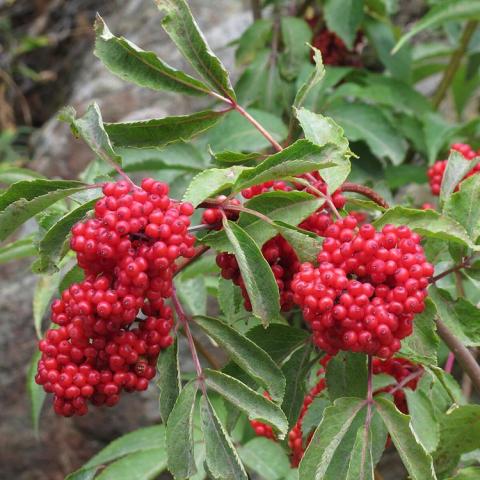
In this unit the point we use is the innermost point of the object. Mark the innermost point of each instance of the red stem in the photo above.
(455, 268)
(449, 363)
(366, 192)
(188, 261)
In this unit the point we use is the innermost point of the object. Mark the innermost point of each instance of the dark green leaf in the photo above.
(257, 275)
(159, 132)
(253, 39)
(18, 249)
(344, 18)
(179, 433)
(180, 25)
(254, 404)
(36, 394)
(227, 157)
(251, 358)
(74, 275)
(229, 298)
(347, 375)
(221, 458)
(131, 63)
(168, 381)
(416, 460)
(295, 35)
(306, 244)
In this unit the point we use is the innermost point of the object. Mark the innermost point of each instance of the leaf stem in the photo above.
(454, 63)
(405, 381)
(315, 190)
(464, 264)
(366, 192)
(188, 261)
(464, 357)
(449, 363)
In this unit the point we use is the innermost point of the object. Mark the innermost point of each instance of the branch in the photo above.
(256, 9)
(454, 63)
(188, 261)
(455, 268)
(463, 356)
(366, 192)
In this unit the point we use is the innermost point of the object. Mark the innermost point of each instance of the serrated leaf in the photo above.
(221, 457)
(322, 131)
(18, 249)
(131, 63)
(460, 316)
(145, 465)
(344, 18)
(253, 39)
(289, 207)
(45, 288)
(347, 375)
(211, 182)
(182, 28)
(251, 358)
(159, 132)
(179, 433)
(301, 157)
(254, 404)
(36, 394)
(427, 223)
(168, 380)
(313, 79)
(417, 461)
(229, 298)
(295, 35)
(91, 129)
(257, 275)
(422, 345)
(305, 243)
(266, 458)
(442, 12)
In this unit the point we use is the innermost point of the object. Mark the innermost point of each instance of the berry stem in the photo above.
(368, 417)
(366, 192)
(405, 381)
(188, 261)
(463, 356)
(214, 363)
(464, 264)
(449, 363)
(261, 216)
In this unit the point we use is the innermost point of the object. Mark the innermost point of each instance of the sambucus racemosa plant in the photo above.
(333, 303)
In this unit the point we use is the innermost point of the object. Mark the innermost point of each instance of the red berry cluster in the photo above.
(213, 216)
(437, 170)
(128, 252)
(366, 290)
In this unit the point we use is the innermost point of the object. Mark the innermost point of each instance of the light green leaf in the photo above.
(344, 18)
(221, 458)
(10, 174)
(254, 404)
(36, 394)
(18, 249)
(45, 289)
(257, 275)
(74, 275)
(437, 133)
(295, 35)
(131, 63)
(347, 375)
(179, 433)
(193, 294)
(168, 380)
(470, 473)
(253, 39)
(182, 28)
(313, 79)
(159, 132)
(248, 356)
(417, 461)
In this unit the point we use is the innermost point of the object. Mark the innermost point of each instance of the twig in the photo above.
(449, 363)
(406, 380)
(366, 192)
(315, 190)
(256, 9)
(455, 268)
(454, 63)
(214, 363)
(464, 357)
(466, 380)
(188, 261)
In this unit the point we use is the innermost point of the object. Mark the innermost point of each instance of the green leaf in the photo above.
(289, 207)
(437, 133)
(56, 240)
(251, 358)
(179, 433)
(74, 275)
(295, 35)
(18, 249)
(257, 275)
(301, 157)
(159, 132)
(253, 39)
(45, 288)
(181, 27)
(460, 316)
(254, 404)
(340, 421)
(266, 458)
(369, 124)
(457, 167)
(313, 79)
(424, 422)
(90, 127)
(221, 458)
(422, 345)
(229, 298)
(23, 200)
(347, 375)
(193, 294)
(169, 380)
(36, 394)
(236, 133)
(322, 131)
(441, 13)
(306, 244)
(145, 465)
(227, 157)
(131, 63)
(416, 460)
(211, 182)
(10, 174)
(344, 18)
(314, 415)
(427, 223)
(470, 473)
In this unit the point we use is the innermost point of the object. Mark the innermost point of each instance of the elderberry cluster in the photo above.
(113, 325)
(437, 170)
(366, 290)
